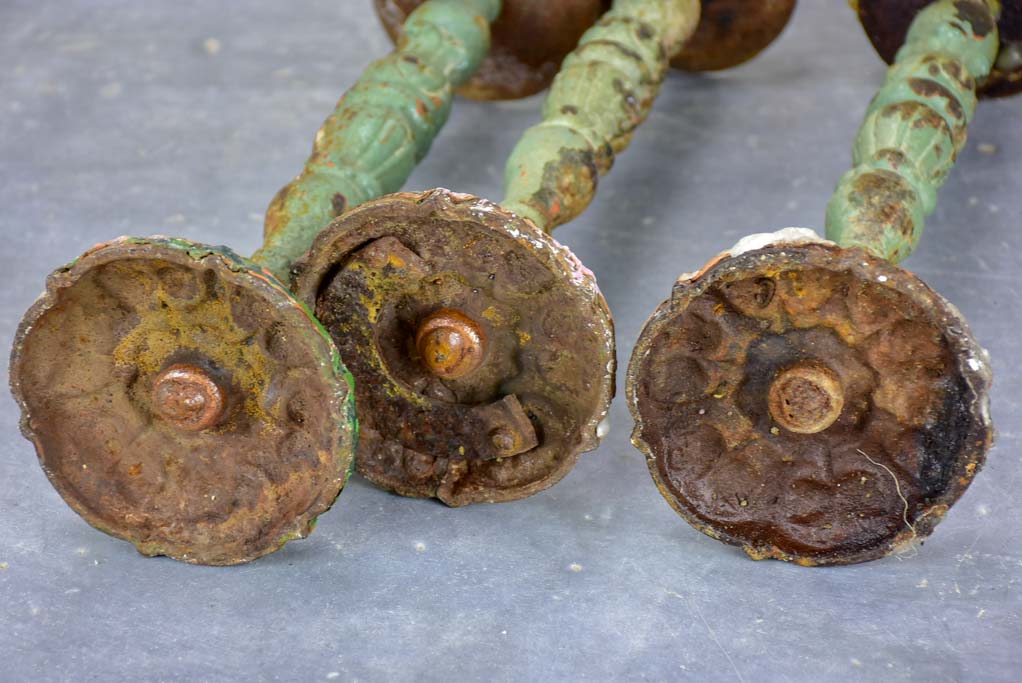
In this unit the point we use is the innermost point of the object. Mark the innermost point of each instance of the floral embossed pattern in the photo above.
(275, 454)
(777, 337)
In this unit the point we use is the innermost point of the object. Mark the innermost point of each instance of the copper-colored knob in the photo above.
(450, 343)
(806, 398)
(188, 398)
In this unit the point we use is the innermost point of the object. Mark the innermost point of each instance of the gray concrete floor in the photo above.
(124, 117)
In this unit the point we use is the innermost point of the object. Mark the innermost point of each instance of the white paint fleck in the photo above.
(855, 662)
(575, 567)
(420, 547)
(980, 613)
(4, 566)
(974, 364)
(588, 518)
(882, 278)
(761, 240)
(925, 583)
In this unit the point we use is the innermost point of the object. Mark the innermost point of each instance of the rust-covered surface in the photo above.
(731, 32)
(180, 399)
(529, 40)
(886, 23)
(389, 272)
(796, 331)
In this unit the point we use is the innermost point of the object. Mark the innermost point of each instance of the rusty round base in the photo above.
(886, 23)
(731, 32)
(529, 40)
(510, 426)
(912, 430)
(181, 399)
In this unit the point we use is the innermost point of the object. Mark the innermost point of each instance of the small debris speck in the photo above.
(212, 46)
(332, 675)
(111, 90)
(986, 148)
(925, 583)
(575, 567)
(4, 566)
(420, 547)
(775, 431)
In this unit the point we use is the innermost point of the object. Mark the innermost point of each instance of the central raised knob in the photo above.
(806, 398)
(188, 398)
(450, 343)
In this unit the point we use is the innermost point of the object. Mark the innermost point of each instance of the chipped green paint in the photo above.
(914, 128)
(604, 90)
(382, 127)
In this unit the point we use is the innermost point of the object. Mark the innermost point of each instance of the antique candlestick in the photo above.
(532, 37)
(808, 400)
(179, 397)
(482, 349)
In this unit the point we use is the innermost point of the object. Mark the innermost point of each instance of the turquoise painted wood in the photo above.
(604, 90)
(914, 129)
(382, 127)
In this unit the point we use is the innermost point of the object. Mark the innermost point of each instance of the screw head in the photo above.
(187, 397)
(450, 344)
(806, 398)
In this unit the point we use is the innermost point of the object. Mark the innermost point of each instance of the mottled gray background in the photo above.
(185, 117)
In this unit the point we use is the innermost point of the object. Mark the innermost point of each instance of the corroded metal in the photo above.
(731, 32)
(221, 485)
(203, 412)
(806, 398)
(912, 433)
(517, 422)
(530, 38)
(188, 397)
(543, 386)
(809, 400)
(450, 344)
(886, 23)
